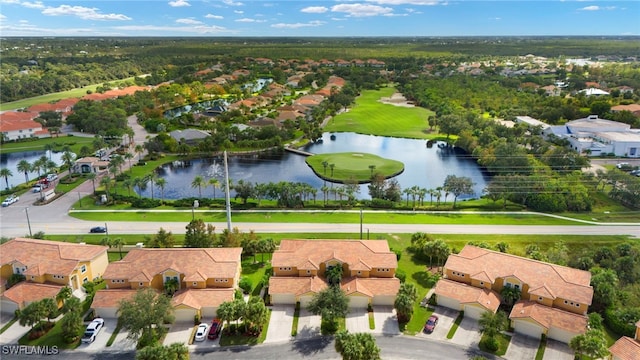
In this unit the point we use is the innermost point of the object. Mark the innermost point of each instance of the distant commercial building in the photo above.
(595, 136)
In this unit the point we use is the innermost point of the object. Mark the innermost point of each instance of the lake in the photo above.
(11, 160)
(424, 167)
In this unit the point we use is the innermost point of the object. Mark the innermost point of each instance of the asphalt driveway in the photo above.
(386, 320)
(556, 350)
(468, 333)
(358, 320)
(280, 323)
(308, 324)
(522, 347)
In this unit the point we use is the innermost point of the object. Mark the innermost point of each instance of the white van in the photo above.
(100, 153)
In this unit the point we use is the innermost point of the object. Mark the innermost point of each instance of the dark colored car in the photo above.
(431, 324)
(214, 330)
(98, 229)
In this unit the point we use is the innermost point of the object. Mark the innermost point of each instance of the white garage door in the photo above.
(8, 306)
(358, 301)
(384, 300)
(283, 299)
(527, 328)
(448, 302)
(208, 313)
(560, 335)
(183, 315)
(305, 300)
(107, 313)
(473, 312)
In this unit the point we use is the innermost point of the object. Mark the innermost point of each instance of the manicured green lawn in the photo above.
(377, 217)
(74, 142)
(503, 344)
(370, 116)
(50, 339)
(353, 166)
(74, 93)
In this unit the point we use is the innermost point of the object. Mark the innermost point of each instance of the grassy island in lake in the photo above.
(340, 167)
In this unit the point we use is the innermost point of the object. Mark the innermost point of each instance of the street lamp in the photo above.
(196, 204)
(26, 210)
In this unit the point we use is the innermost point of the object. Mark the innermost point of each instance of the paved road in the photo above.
(392, 347)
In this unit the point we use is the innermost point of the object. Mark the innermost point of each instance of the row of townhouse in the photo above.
(554, 299)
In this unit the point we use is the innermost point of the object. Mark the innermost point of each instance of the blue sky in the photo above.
(253, 18)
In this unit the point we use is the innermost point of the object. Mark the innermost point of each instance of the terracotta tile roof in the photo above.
(549, 317)
(626, 349)
(16, 120)
(193, 263)
(373, 253)
(110, 298)
(467, 294)
(564, 282)
(630, 107)
(47, 257)
(199, 298)
(371, 286)
(296, 285)
(28, 292)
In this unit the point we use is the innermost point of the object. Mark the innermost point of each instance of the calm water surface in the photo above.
(425, 167)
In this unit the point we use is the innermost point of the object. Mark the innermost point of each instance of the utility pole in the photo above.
(227, 196)
(26, 210)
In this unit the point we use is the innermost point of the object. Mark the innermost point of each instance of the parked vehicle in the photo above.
(201, 333)
(11, 199)
(98, 229)
(431, 324)
(92, 330)
(52, 177)
(40, 186)
(214, 330)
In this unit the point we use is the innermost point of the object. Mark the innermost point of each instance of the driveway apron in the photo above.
(468, 333)
(522, 347)
(358, 321)
(179, 333)
(386, 320)
(556, 350)
(308, 324)
(280, 323)
(446, 317)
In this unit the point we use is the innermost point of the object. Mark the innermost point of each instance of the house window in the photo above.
(566, 302)
(195, 283)
(33, 277)
(167, 278)
(539, 298)
(140, 284)
(85, 280)
(308, 272)
(577, 305)
(83, 269)
(359, 272)
(481, 283)
(517, 287)
(508, 285)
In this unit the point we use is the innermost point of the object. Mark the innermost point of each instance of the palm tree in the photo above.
(92, 176)
(331, 166)
(372, 167)
(161, 183)
(324, 165)
(128, 156)
(5, 173)
(67, 159)
(334, 275)
(141, 184)
(49, 148)
(25, 167)
(198, 182)
(139, 149)
(37, 166)
(214, 184)
(404, 307)
(63, 295)
(492, 324)
(106, 182)
(127, 184)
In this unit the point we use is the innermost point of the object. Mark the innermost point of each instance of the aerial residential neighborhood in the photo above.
(361, 199)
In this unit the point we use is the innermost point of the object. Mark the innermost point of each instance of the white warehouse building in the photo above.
(595, 136)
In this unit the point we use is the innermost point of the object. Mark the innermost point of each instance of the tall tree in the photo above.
(198, 236)
(6, 173)
(332, 303)
(358, 346)
(198, 182)
(25, 167)
(147, 311)
(458, 186)
(591, 344)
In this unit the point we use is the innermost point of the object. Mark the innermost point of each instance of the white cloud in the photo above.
(183, 29)
(232, 3)
(33, 5)
(2, 17)
(211, 16)
(407, 2)
(315, 10)
(248, 20)
(179, 3)
(82, 12)
(361, 10)
(298, 25)
(590, 8)
(238, 11)
(189, 21)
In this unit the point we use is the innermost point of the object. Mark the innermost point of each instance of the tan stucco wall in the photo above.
(581, 309)
(545, 301)
(98, 265)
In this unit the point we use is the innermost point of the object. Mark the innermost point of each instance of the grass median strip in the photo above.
(333, 217)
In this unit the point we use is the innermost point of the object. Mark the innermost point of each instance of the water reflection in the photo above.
(10, 161)
(426, 167)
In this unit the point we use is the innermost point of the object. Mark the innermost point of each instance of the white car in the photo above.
(92, 330)
(52, 177)
(10, 200)
(201, 333)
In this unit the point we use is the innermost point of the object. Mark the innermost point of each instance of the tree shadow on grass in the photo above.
(425, 279)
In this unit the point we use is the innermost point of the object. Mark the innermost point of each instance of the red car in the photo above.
(214, 330)
(431, 324)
